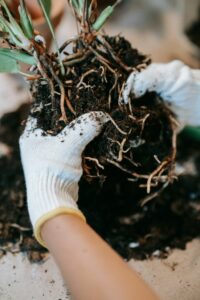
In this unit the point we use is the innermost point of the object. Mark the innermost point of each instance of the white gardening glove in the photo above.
(53, 167)
(176, 83)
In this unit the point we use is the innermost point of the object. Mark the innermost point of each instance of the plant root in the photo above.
(94, 160)
(107, 46)
(111, 90)
(121, 150)
(99, 51)
(147, 199)
(102, 60)
(154, 173)
(78, 60)
(69, 105)
(84, 76)
(67, 43)
(115, 124)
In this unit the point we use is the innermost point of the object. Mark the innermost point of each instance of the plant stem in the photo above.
(117, 3)
(85, 12)
(29, 75)
(62, 68)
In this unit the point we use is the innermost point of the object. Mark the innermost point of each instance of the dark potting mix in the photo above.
(129, 191)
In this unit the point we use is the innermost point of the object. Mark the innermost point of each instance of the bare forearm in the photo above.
(90, 267)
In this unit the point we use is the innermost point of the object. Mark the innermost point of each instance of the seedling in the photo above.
(140, 139)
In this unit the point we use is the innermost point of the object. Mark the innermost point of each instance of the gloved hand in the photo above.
(52, 167)
(176, 83)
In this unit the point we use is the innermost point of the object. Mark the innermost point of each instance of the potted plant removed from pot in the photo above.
(140, 139)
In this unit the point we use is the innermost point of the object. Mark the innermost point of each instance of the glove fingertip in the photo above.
(92, 124)
(31, 129)
(84, 129)
(31, 124)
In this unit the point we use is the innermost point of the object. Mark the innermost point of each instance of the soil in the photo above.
(193, 32)
(168, 222)
(143, 129)
(13, 210)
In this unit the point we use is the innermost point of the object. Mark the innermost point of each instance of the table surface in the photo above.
(175, 278)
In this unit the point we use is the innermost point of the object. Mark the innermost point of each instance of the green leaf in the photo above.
(25, 20)
(81, 4)
(75, 4)
(78, 6)
(45, 10)
(16, 28)
(44, 5)
(12, 27)
(18, 56)
(5, 26)
(106, 13)
(47, 17)
(8, 64)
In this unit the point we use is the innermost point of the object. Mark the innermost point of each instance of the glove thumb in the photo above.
(84, 129)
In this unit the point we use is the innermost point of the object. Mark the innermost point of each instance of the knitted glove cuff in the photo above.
(49, 195)
(52, 214)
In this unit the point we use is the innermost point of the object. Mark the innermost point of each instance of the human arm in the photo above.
(91, 269)
(52, 167)
(176, 83)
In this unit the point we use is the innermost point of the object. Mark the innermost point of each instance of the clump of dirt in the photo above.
(113, 209)
(139, 139)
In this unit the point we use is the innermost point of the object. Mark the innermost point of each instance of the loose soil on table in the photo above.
(167, 222)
